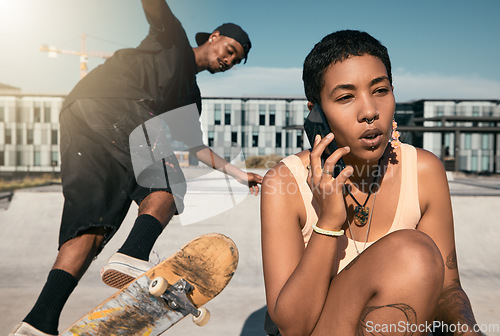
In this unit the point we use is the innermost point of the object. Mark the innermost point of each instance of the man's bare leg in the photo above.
(132, 259)
(76, 255)
(73, 259)
(160, 205)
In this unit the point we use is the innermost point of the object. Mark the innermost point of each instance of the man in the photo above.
(132, 87)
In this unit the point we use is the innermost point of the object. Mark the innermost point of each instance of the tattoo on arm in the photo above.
(368, 318)
(451, 260)
(454, 306)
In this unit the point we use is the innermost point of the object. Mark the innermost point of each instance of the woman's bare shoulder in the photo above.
(432, 180)
(304, 156)
(429, 164)
(281, 171)
(281, 178)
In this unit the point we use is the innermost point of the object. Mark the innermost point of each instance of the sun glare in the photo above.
(14, 14)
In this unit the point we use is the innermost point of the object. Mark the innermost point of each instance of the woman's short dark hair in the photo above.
(337, 47)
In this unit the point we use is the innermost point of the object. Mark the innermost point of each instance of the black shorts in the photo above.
(96, 168)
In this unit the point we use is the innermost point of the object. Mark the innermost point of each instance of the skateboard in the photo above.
(161, 297)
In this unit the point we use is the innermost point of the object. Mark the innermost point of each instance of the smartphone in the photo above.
(316, 123)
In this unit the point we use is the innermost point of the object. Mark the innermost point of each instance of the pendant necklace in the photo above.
(367, 229)
(362, 212)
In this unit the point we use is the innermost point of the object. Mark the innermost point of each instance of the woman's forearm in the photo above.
(300, 302)
(454, 307)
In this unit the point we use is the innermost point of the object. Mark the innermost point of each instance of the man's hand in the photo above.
(207, 156)
(252, 180)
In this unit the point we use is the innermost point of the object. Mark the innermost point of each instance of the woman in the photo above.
(372, 251)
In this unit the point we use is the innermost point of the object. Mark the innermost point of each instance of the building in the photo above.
(463, 133)
(29, 132)
(255, 126)
(261, 126)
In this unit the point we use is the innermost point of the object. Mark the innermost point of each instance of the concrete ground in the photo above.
(29, 229)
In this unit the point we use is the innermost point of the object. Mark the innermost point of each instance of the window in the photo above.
(262, 114)
(262, 119)
(47, 106)
(447, 140)
(475, 111)
(2, 160)
(272, 114)
(485, 163)
(278, 140)
(53, 135)
(19, 157)
(473, 162)
(37, 159)
(37, 117)
(211, 138)
(217, 111)
(272, 109)
(488, 111)
(46, 115)
(439, 111)
(485, 141)
(272, 118)
(227, 114)
(234, 137)
(54, 156)
(2, 113)
(30, 137)
(8, 136)
(255, 139)
(468, 141)
(299, 139)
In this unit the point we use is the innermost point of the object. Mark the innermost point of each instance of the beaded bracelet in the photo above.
(327, 232)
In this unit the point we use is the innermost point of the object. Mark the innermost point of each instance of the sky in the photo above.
(446, 49)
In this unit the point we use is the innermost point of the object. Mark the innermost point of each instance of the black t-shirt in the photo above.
(161, 70)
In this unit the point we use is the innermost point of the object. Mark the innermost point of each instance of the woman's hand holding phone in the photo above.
(327, 190)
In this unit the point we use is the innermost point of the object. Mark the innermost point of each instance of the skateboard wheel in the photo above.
(202, 318)
(158, 286)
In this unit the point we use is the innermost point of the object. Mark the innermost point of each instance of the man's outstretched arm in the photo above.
(211, 159)
(158, 13)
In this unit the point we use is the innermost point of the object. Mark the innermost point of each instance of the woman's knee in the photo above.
(416, 255)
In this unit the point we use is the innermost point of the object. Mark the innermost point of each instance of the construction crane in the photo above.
(83, 53)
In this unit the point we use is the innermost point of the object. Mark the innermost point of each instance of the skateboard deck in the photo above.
(196, 273)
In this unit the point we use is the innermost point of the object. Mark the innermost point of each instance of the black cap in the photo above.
(230, 30)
